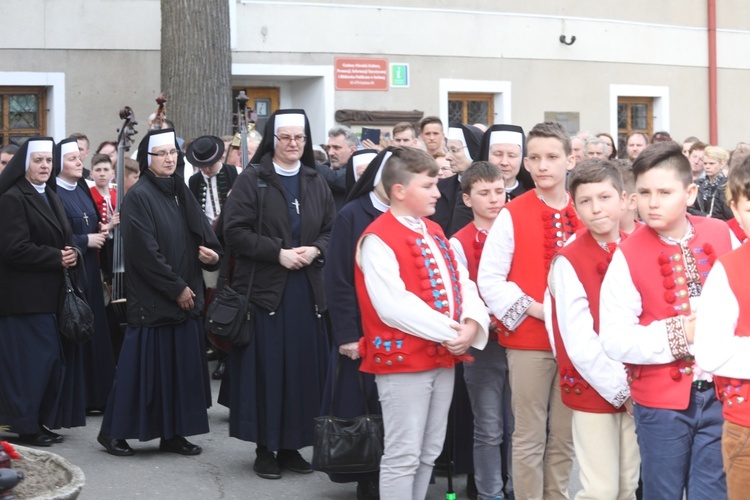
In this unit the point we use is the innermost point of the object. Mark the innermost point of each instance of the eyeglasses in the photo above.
(286, 139)
(456, 150)
(163, 154)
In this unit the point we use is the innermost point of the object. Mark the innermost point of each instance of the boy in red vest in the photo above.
(512, 278)
(483, 190)
(420, 314)
(722, 346)
(647, 321)
(594, 386)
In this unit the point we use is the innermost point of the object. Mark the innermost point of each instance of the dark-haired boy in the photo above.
(594, 386)
(722, 346)
(647, 305)
(483, 188)
(512, 278)
(420, 314)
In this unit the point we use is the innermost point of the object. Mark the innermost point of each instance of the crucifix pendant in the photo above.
(296, 205)
(85, 218)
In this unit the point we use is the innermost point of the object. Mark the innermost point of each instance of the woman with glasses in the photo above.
(276, 381)
(161, 387)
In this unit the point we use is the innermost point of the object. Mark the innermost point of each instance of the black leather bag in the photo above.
(348, 445)
(75, 320)
(230, 317)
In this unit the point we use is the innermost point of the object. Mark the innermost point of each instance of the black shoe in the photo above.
(471, 487)
(292, 460)
(211, 355)
(116, 447)
(56, 438)
(180, 445)
(38, 439)
(218, 373)
(368, 490)
(265, 465)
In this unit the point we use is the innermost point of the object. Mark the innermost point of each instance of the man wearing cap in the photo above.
(210, 186)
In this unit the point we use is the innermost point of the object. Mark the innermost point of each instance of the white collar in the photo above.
(40, 188)
(66, 185)
(285, 172)
(379, 205)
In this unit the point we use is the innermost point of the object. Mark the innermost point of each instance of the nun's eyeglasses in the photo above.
(453, 150)
(163, 154)
(286, 139)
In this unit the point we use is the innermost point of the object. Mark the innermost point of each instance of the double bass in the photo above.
(161, 112)
(124, 142)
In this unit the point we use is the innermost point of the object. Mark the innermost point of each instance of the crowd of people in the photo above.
(509, 302)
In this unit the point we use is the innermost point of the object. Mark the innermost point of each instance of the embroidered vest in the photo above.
(735, 393)
(590, 262)
(472, 241)
(538, 232)
(388, 350)
(101, 203)
(666, 280)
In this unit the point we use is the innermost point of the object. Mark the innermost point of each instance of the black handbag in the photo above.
(348, 445)
(75, 320)
(230, 316)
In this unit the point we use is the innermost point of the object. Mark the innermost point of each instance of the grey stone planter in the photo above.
(43, 465)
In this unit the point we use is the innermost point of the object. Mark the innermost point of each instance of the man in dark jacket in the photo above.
(161, 386)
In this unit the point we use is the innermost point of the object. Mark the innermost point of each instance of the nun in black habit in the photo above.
(366, 201)
(505, 147)
(276, 381)
(34, 248)
(98, 358)
(161, 379)
(451, 213)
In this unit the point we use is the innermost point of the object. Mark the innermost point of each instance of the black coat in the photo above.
(240, 233)
(33, 236)
(161, 254)
(225, 178)
(451, 213)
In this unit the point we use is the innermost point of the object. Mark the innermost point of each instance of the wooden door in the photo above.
(263, 100)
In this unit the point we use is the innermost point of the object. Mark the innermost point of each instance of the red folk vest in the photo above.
(590, 261)
(472, 241)
(735, 393)
(101, 203)
(660, 274)
(389, 350)
(538, 232)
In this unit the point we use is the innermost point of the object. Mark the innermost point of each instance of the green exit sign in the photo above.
(400, 75)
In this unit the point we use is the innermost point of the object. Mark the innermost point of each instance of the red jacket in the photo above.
(538, 232)
(388, 350)
(590, 262)
(660, 274)
(734, 393)
(101, 203)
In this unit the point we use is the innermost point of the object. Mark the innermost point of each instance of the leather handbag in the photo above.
(348, 445)
(231, 317)
(75, 320)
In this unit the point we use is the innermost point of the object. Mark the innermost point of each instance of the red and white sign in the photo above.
(361, 73)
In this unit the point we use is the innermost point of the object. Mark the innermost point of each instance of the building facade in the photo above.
(634, 65)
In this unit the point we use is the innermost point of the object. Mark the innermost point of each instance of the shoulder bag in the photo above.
(75, 320)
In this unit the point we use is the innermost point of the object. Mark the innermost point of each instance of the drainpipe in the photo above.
(712, 114)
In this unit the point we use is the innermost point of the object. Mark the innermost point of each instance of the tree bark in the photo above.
(196, 66)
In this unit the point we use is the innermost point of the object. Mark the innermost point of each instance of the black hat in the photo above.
(205, 151)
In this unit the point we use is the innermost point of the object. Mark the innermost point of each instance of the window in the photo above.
(24, 113)
(634, 114)
(471, 108)
(263, 100)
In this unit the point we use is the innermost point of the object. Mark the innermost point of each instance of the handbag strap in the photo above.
(262, 185)
(336, 382)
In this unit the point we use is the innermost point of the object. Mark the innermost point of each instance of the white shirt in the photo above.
(502, 296)
(717, 349)
(403, 310)
(212, 204)
(576, 326)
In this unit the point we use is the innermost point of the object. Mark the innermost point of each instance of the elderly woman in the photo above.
(161, 379)
(712, 196)
(88, 235)
(34, 248)
(276, 382)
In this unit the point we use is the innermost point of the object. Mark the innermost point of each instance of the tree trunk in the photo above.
(196, 66)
